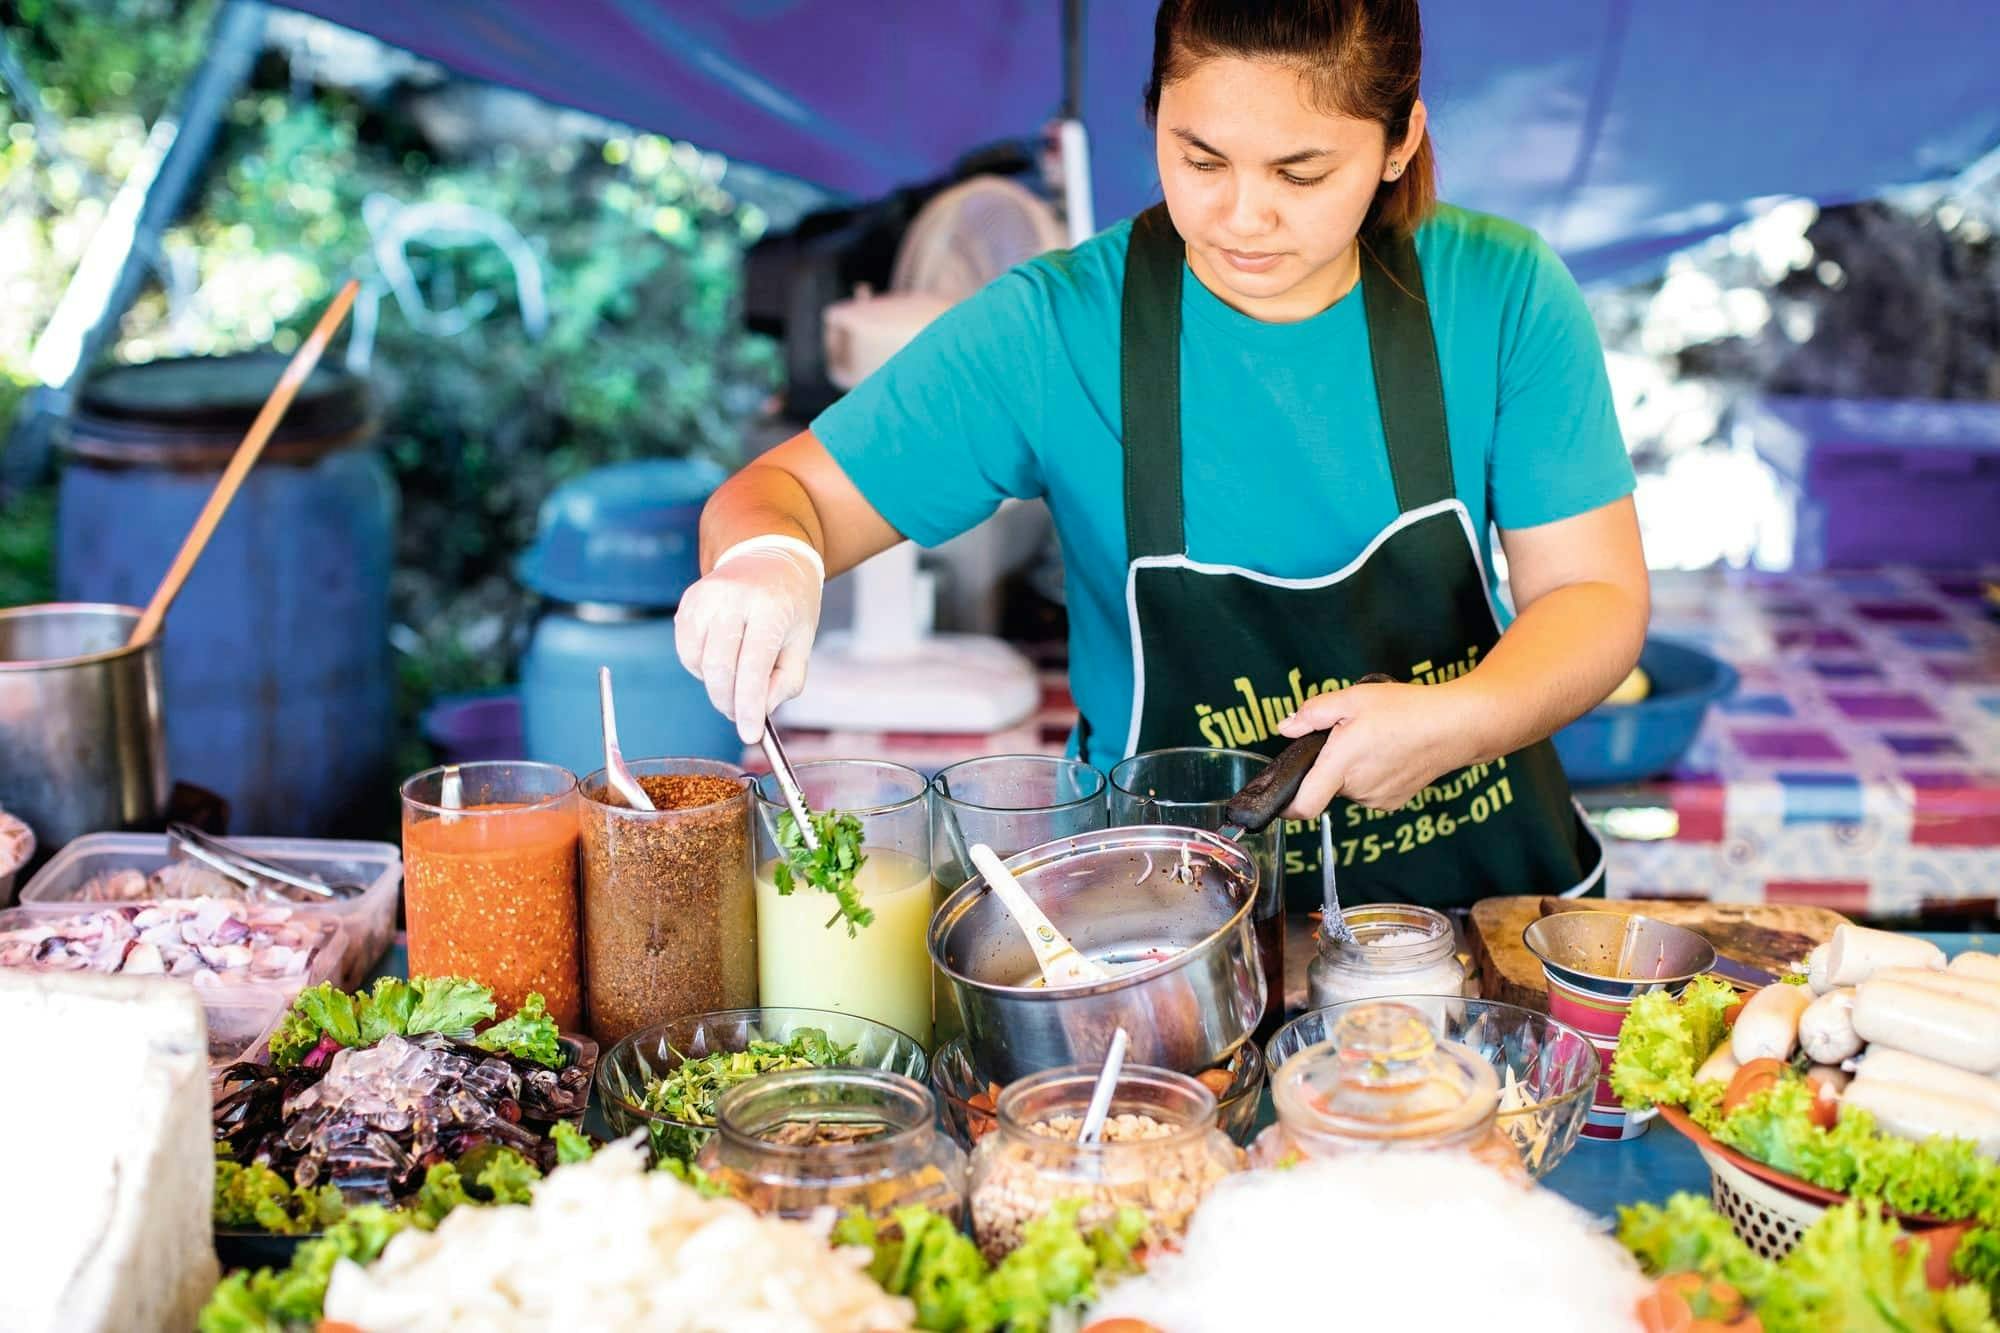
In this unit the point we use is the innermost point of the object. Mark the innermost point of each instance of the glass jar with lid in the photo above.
(1160, 1153)
(798, 1140)
(1384, 1080)
(1397, 949)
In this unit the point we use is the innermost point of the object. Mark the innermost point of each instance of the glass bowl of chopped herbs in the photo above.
(666, 1079)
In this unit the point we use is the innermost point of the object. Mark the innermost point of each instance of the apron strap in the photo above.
(1401, 346)
(1149, 384)
(1407, 383)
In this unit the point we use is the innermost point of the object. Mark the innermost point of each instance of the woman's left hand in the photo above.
(1387, 743)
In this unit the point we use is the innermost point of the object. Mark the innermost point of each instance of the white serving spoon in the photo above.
(1060, 962)
(620, 777)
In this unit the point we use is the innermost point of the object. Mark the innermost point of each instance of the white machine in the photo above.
(891, 671)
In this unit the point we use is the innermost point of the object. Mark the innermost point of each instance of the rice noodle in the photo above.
(610, 1244)
(1389, 1240)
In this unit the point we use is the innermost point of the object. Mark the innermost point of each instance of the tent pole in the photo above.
(1073, 140)
(108, 277)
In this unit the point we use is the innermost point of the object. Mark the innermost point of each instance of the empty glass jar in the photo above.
(1384, 1080)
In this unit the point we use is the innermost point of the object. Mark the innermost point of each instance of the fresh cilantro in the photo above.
(830, 869)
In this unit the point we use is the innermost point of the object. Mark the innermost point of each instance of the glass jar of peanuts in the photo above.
(1160, 1153)
(1384, 1080)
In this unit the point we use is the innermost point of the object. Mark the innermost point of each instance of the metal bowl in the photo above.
(636, 1061)
(1553, 1066)
(1616, 955)
(1193, 991)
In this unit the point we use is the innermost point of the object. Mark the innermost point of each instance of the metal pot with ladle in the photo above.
(82, 744)
(1165, 909)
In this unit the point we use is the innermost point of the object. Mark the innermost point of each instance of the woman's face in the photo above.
(1267, 190)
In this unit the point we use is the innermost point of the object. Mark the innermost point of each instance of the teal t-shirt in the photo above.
(1014, 392)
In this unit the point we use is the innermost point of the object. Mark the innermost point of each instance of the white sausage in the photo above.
(1885, 1064)
(1816, 969)
(1826, 1028)
(1948, 983)
(1721, 1066)
(1962, 1033)
(1915, 1113)
(1768, 1027)
(1857, 953)
(1985, 966)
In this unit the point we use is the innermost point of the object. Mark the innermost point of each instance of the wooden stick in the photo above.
(246, 456)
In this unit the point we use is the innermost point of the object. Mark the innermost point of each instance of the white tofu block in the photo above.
(104, 1220)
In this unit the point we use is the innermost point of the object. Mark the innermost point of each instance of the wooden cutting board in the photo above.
(1765, 935)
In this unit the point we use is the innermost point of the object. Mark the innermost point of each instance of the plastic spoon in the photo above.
(1100, 1096)
(451, 793)
(1333, 920)
(620, 777)
(1059, 960)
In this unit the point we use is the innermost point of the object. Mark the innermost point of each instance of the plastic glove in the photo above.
(746, 629)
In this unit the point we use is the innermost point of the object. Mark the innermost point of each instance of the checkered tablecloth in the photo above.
(1858, 764)
(1857, 767)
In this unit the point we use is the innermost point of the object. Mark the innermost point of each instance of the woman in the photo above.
(1275, 419)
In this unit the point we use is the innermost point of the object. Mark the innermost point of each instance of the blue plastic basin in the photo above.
(1616, 743)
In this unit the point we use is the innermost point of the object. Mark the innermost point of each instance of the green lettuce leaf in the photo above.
(922, 1255)
(508, 1177)
(692, 1176)
(443, 1190)
(1978, 1257)
(1689, 1236)
(1847, 1273)
(572, 1144)
(274, 1300)
(451, 1005)
(386, 1011)
(530, 1034)
(1945, 1178)
(249, 1196)
(319, 1011)
(1664, 1040)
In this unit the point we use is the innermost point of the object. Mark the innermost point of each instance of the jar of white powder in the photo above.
(1398, 949)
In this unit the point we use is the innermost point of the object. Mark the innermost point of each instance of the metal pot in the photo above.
(82, 743)
(1115, 893)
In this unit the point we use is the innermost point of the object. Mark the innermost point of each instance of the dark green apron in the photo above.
(1222, 655)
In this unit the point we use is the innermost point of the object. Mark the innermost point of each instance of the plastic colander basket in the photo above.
(1769, 1220)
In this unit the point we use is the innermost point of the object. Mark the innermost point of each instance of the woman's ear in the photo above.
(1400, 154)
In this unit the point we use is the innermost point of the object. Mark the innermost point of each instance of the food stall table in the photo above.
(1596, 1176)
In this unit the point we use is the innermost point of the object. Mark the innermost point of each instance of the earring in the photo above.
(1395, 169)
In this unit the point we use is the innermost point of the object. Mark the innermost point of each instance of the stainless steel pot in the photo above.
(82, 742)
(1117, 895)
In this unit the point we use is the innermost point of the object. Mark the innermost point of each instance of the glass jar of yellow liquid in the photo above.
(806, 956)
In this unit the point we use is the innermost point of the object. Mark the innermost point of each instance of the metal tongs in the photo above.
(1263, 797)
(788, 784)
(258, 879)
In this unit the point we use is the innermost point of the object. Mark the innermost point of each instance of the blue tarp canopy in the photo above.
(1620, 130)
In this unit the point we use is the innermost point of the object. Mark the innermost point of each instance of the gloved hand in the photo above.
(747, 627)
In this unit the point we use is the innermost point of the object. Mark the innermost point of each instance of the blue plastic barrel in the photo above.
(279, 691)
(613, 553)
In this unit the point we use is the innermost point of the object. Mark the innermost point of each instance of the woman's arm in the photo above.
(1581, 587)
(1583, 598)
(796, 490)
